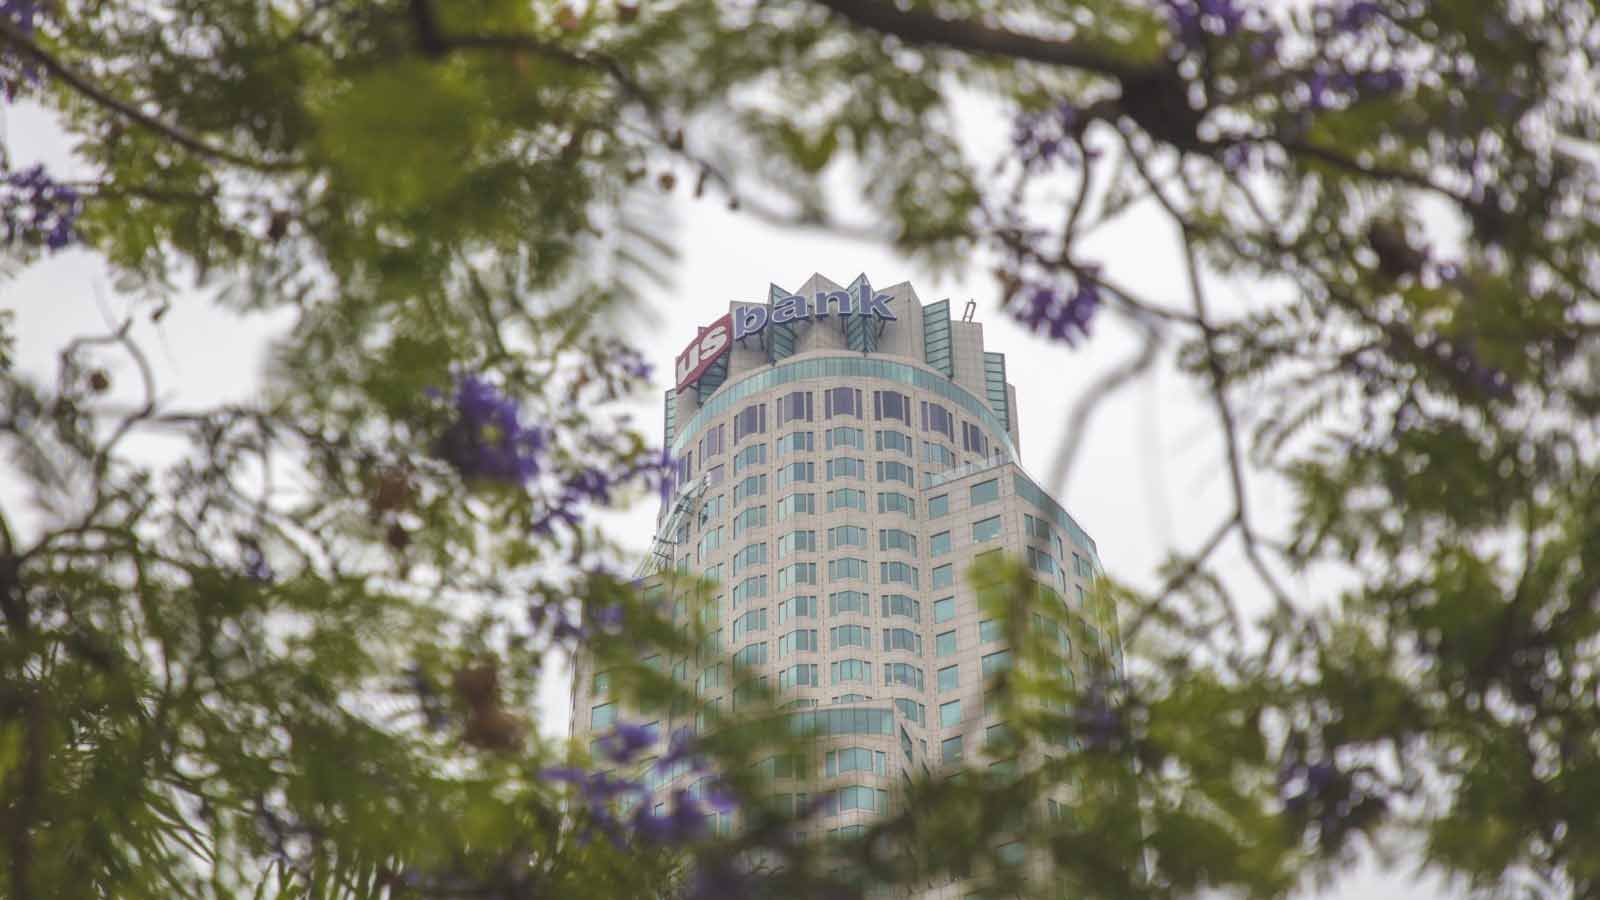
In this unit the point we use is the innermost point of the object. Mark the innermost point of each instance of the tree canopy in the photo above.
(285, 663)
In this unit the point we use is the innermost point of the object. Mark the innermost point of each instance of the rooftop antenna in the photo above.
(972, 307)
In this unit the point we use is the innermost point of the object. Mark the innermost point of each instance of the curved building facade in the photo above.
(844, 455)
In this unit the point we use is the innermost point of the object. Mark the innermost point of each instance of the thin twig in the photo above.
(14, 36)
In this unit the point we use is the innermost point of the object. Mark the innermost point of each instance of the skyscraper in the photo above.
(843, 456)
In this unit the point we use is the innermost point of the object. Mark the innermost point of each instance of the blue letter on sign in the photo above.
(748, 320)
(873, 305)
(788, 309)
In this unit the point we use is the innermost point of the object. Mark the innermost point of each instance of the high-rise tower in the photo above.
(844, 455)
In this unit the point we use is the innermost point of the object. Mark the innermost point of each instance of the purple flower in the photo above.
(1061, 319)
(1041, 138)
(37, 209)
(626, 742)
(683, 822)
(1382, 81)
(682, 748)
(629, 360)
(1356, 16)
(488, 440)
(255, 563)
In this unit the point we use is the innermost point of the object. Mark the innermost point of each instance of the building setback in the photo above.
(843, 456)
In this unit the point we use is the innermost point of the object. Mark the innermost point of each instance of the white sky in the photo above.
(1148, 477)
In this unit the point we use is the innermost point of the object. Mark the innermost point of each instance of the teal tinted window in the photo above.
(986, 491)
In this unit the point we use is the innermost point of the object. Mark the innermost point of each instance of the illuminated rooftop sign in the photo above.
(717, 338)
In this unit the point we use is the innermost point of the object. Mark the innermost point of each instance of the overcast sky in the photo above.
(1148, 477)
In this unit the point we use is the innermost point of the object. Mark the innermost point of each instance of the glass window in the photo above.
(944, 609)
(796, 473)
(842, 402)
(950, 750)
(897, 441)
(797, 505)
(938, 506)
(602, 716)
(950, 714)
(901, 605)
(801, 675)
(891, 405)
(938, 455)
(912, 711)
(939, 544)
(890, 470)
(990, 630)
(753, 455)
(973, 440)
(794, 407)
(902, 673)
(801, 640)
(847, 498)
(938, 419)
(848, 602)
(944, 576)
(798, 442)
(945, 644)
(801, 541)
(897, 572)
(748, 589)
(949, 678)
(903, 639)
(845, 436)
(752, 555)
(850, 670)
(846, 536)
(894, 501)
(846, 467)
(986, 529)
(750, 420)
(754, 620)
(754, 517)
(847, 567)
(849, 636)
(796, 607)
(751, 486)
(986, 491)
(797, 574)
(996, 662)
(753, 655)
(712, 443)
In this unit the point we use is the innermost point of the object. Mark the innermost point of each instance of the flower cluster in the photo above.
(1042, 138)
(1060, 316)
(593, 486)
(1192, 20)
(37, 209)
(1320, 793)
(628, 359)
(487, 440)
(684, 820)
(1097, 722)
(14, 71)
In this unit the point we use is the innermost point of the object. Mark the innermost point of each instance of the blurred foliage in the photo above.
(286, 664)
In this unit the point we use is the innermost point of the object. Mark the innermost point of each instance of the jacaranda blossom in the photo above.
(37, 209)
(487, 440)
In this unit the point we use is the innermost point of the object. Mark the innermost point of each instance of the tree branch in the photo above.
(915, 27)
(14, 36)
